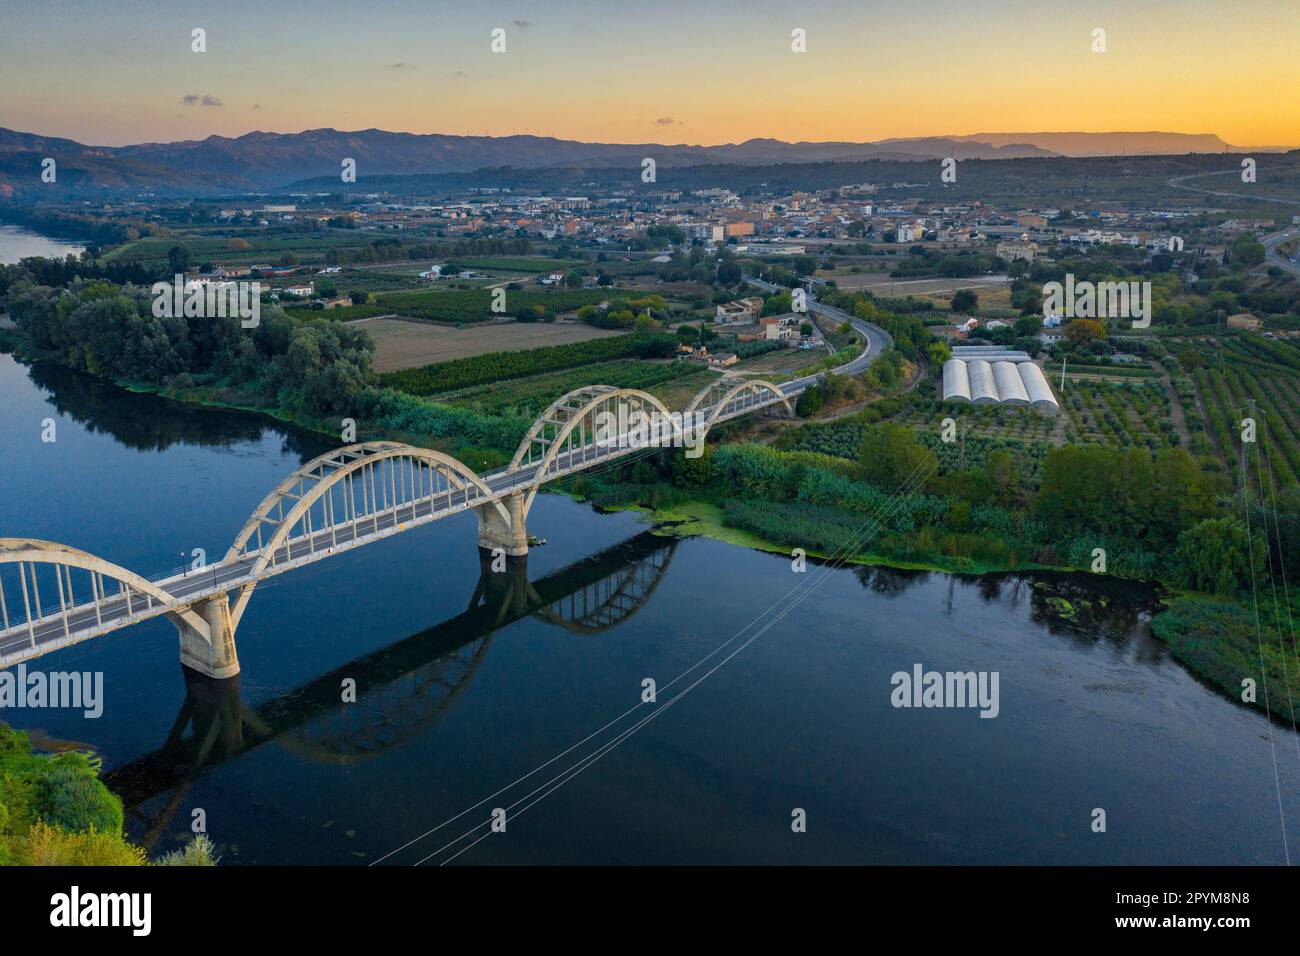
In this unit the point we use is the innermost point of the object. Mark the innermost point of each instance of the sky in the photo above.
(663, 71)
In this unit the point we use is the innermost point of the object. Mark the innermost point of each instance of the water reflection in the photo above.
(400, 690)
(145, 422)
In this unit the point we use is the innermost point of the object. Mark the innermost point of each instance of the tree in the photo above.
(728, 271)
(1029, 325)
(891, 455)
(692, 472)
(178, 258)
(809, 403)
(1247, 251)
(965, 300)
(938, 352)
(1083, 331)
(1215, 555)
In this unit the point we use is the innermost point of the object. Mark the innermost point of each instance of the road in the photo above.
(1273, 256)
(876, 338)
(1180, 182)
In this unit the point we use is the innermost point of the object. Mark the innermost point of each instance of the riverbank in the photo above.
(1220, 640)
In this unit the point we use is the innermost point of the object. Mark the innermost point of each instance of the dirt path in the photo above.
(1176, 413)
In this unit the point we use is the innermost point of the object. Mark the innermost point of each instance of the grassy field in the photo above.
(308, 248)
(401, 344)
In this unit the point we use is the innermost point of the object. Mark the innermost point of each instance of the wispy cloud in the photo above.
(665, 121)
(398, 66)
(521, 24)
(197, 99)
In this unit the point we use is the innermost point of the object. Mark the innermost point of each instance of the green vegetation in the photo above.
(1224, 641)
(55, 811)
(475, 305)
(1123, 414)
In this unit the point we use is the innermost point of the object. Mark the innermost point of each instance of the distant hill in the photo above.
(262, 160)
(1109, 144)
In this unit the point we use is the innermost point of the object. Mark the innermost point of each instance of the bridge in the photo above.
(354, 496)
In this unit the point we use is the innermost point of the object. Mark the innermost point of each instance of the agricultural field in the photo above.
(262, 249)
(992, 298)
(527, 265)
(986, 421)
(401, 344)
(476, 305)
(495, 367)
(843, 437)
(1253, 377)
(1116, 372)
(1124, 414)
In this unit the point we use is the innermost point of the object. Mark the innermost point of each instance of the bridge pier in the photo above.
(212, 654)
(494, 532)
(503, 590)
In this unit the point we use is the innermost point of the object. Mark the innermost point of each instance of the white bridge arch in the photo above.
(730, 397)
(135, 598)
(570, 435)
(370, 482)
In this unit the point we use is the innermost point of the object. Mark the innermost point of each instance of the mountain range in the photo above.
(261, 160)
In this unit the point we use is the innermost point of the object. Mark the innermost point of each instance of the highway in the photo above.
(1272, 254)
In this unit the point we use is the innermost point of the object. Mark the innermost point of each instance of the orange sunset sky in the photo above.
(669, 72)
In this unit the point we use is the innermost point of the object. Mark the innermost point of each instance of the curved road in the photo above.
(1273, 240)
(877, 339)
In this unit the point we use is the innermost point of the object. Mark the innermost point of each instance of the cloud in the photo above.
(521, 24)
(458, 73)
(665, 121)
(196, 99)
(398, 66)
(257, 106)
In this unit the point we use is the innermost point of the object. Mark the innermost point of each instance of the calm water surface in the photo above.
(17, 243)
(464, 685)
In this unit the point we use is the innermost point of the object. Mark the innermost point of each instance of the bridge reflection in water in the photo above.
(401, 689)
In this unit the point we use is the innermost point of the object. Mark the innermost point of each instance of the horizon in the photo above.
(607, 73)
(1277, 147)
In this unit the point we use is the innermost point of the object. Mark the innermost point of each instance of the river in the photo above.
(17, 243)
(461, 692)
